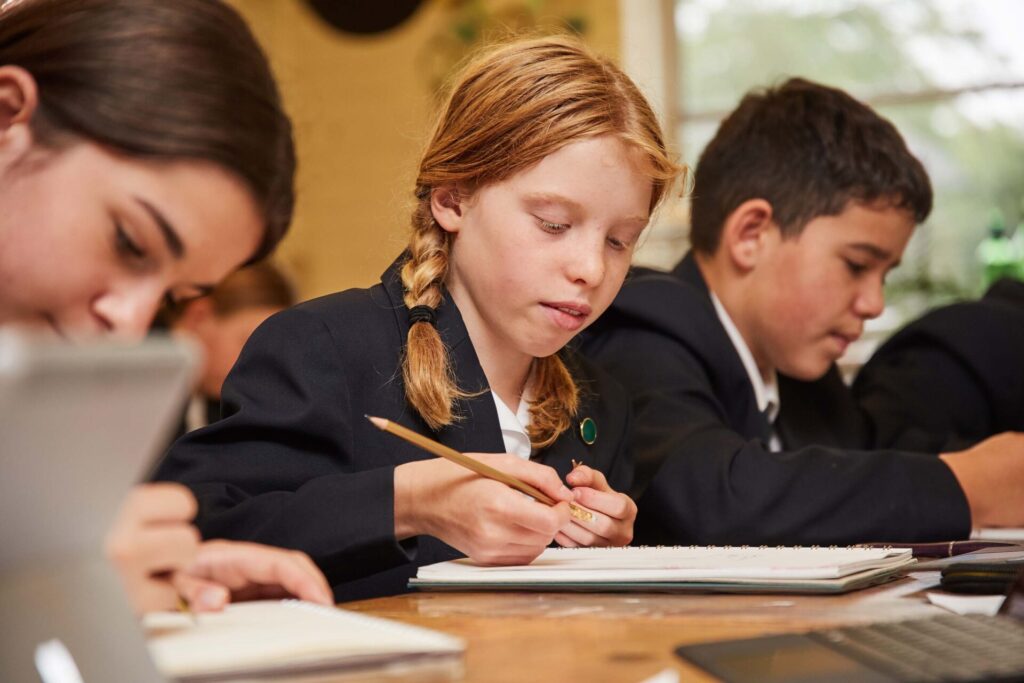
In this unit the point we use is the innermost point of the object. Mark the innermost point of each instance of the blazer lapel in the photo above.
(733, 382)
(569, 446)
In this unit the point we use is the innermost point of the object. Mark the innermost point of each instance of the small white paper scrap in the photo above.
(968, 604)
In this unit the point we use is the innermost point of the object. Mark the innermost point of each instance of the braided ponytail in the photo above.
(429, 380)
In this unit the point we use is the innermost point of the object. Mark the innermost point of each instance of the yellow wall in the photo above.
(361, 108)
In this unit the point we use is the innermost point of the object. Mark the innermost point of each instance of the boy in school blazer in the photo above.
(951, 378)
(743, 430)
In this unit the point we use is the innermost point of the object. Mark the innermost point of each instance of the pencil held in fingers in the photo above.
(581, 513)
(614, 512)
(483, 469)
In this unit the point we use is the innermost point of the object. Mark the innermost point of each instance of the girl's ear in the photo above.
(745, 231)
(19, 98)
(446, 205)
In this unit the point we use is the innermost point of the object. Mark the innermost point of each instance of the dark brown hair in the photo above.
(808, 150)
(162, 79)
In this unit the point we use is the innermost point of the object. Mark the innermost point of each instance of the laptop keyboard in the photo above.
(944, 648)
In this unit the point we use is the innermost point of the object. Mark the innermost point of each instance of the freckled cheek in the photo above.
(616, 269)
(615, 275)
(505, 277)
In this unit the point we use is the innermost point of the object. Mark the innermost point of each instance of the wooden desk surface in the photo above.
(584, 637)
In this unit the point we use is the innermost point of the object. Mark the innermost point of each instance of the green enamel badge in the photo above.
(588, 431)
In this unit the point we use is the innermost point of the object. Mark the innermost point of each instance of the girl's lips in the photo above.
(568, 316)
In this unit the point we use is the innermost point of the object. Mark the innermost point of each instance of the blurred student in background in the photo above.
(951, 378)
(221, 323)
(144, 155)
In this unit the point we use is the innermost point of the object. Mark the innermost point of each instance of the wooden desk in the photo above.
(584, 638)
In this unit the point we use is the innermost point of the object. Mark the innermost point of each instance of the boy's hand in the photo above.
(614, 513)
(991, 474)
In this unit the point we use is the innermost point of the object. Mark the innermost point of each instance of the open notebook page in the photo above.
(682, 563)
(287, 636)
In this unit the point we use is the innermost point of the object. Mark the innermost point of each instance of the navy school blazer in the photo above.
(294, 463)
(704, 473)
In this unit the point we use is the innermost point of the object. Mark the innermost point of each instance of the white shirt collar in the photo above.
(514, 425)
(765, 393)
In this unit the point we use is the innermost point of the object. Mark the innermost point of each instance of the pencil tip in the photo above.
(378, 422)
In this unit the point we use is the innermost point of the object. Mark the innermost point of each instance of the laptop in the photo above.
(948, 647)
(78, 427)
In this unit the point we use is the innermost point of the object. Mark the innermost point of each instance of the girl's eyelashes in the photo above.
(553, 227)
(125, 245)
(558, 228)
(617, 244)
(625, 240)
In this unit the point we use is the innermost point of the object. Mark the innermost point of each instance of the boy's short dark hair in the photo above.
(808, 150)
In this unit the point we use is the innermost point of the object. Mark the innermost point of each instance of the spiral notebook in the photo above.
(272, 638)
(694, 568)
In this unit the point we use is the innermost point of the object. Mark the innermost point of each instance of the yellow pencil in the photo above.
(483, 469)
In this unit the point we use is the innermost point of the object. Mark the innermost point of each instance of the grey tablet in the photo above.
(78, 427)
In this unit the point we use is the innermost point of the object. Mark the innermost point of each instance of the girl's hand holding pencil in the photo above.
(486, 519)
(473, 502)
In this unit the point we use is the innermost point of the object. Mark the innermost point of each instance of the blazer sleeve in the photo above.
(951, 378)
(286, 447)
(700, 481)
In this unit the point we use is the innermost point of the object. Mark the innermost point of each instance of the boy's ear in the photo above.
(19, 98)
(446, 205)
(745, 233)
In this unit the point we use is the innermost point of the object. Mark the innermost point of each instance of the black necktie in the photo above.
(766, 428)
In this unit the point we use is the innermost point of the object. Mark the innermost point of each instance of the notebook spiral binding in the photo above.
(733, 547)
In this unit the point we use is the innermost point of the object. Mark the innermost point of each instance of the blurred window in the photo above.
(948, 73)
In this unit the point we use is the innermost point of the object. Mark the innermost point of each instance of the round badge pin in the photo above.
(588, 431)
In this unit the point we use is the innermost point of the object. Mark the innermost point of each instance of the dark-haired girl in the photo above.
(144, 155)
